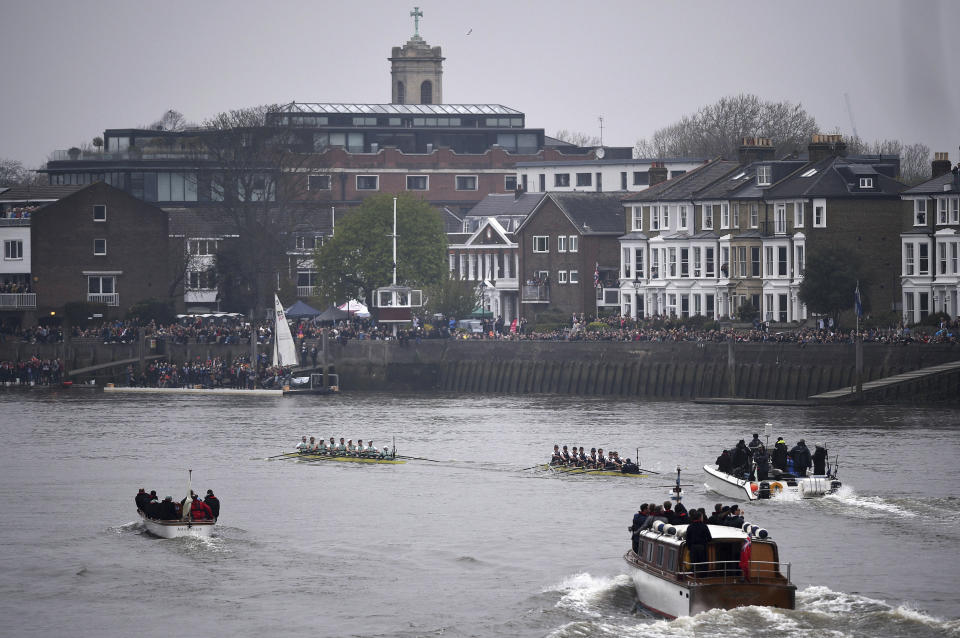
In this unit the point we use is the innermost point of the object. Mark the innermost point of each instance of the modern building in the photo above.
(592, 174)
(930, 244)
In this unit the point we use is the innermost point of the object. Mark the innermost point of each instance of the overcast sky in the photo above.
(73, 69)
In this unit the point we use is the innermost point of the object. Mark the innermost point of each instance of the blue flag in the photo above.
(856, 301)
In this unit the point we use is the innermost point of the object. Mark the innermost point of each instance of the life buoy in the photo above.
(776, 488)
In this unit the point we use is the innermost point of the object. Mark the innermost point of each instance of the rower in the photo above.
(565, 455)
(556, 458)
(601, 460)
(322, 447)
(592, 461)
(370, 450)
(342, 448)
(581, 458)
(312, 446)
(302, 445)
(352, 449)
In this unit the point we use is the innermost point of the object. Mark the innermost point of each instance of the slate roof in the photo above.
(505, 204)
(634, 234)
(193, 222)
(688, 185)
(935, 186)
(617, 162)
(452, 222)
(591, 213)
(835, 177)
(38, 193)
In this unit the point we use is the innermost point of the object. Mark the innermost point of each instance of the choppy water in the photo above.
(471, 546)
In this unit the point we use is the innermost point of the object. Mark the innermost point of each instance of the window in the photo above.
(368, 182)
(798, 214)
(543, 183)
(780, 219)
(682, 217)
(541, 244)
(637, 214)
(364, 121)
(99, 246)
(736, 215)
(741, 252)
(417, 182)
(561, 243)
(955, 210)
(573, 245)
(724, 215)
(99, 213)
(942, 257)
(660, 551)
(426, 92)
(466, 182)
(942, 216)
(561, 276)
(672, 261)
(100, 285)
(866, 182)
(697, 262)
(176, 187)
(318, 182)
(819, 214)
(201, 280)
(708, 217)
(584, 179)
(755, 261)
(509, 183)
(684, 262)
(641, 178)
(574, 276)
(754, 215)
(923, 261)
(768, 266)
(202, 247)
(781, 261)
(809, 173)
(655, 263)
(764, 175)
(638, 262)
(623, 180)
(401, 93)
(909, 263)
(709, 259)
(13, 249)
(654, 218)
(665, 221)
(919, 212)
(953, 258)
(308, 242)
(561, 180)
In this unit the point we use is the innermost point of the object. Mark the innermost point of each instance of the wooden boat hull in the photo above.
(676, 598)
(176, 529)
(346, 459)
(579, 471)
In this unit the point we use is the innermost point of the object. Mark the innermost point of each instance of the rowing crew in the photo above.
(595, 460)
(313, 446)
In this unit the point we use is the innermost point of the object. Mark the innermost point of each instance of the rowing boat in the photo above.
(557, 469)
(347, 459)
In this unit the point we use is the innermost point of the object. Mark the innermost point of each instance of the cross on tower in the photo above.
(416, 14)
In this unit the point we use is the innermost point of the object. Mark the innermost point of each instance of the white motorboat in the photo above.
(185, 525)
(740, 566)
(748, 490)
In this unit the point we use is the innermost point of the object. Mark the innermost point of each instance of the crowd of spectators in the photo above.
(19, 212)
(33, 371)
(15, 287)
(215, 372)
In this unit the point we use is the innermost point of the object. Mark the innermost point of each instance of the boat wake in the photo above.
(820, 611)
(867, 506)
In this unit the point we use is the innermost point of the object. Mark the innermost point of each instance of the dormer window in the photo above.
(866, 182)
(764, 175)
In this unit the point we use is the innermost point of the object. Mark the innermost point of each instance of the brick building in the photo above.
(99, 245)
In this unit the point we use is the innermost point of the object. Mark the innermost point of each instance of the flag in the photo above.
(596, 275)
(745, 558)
(857, 305)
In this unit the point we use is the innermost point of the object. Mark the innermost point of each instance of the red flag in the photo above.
(745, 558)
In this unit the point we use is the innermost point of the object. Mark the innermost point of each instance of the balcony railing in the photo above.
(14, 221)
(106, 298)
(17, 301)
(306, 291)
(535, 293)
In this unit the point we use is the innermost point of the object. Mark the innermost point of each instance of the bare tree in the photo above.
(171, 120)
(717, 129)
(14, 173)
(577, 138)
(914, 158)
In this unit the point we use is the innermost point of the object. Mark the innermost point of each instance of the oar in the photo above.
(418, 458)
(533, 467)
(277, 455)
(648, 471)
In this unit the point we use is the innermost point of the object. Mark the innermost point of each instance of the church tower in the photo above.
(416, 70)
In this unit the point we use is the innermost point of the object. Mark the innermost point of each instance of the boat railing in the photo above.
(728, 571)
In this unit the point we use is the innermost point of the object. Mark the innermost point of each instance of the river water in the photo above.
(473, 545)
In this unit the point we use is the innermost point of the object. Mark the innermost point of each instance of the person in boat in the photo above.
(141, 499)
(780, 454)
(820, 459)
(213, 503)
(801, 458)
(385, 452)
(168, 510)
(322, 447)
(698, 538)
(200, 511)
(312, 446)
(370, 450)
(601, 461)
(302, 446)
(630, 467)
(565, 456)
(755, 443)
(592, 459)
(763, 466)
(342, 448)
(637, 525)
(581, 457)
(725, 463)
(741, 458)
(613, 461)
(654, 516)
(556, 458)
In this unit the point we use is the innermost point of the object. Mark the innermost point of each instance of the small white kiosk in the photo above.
(394, 304)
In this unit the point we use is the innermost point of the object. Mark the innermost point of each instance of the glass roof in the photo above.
(397, 109)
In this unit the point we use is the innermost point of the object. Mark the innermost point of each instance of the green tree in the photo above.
(359, 258)
(829, 281)
(453, 298)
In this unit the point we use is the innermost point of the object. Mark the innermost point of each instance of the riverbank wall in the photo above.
(680, 371)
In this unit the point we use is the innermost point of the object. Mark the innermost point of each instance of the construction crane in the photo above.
(853, 123)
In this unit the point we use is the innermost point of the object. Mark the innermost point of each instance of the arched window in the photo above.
(401, 93)
(426, 92)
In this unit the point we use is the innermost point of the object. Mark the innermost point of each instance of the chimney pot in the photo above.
(940, 164)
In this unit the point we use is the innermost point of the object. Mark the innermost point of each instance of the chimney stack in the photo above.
(940, 164)
(824, 146)
(518, 191)
(755, 149)
(657, 173)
